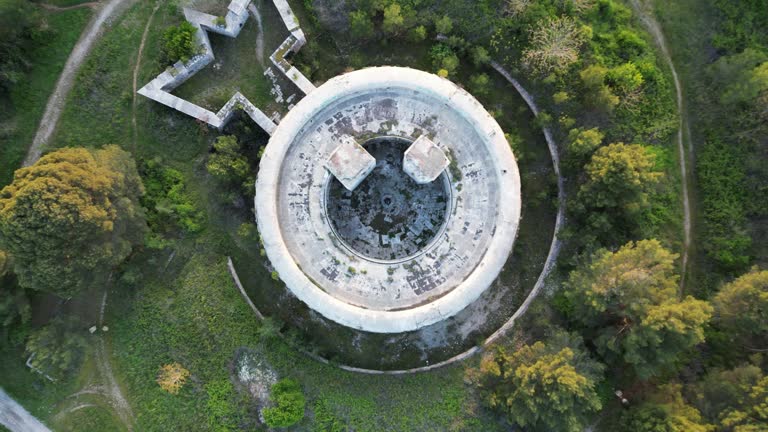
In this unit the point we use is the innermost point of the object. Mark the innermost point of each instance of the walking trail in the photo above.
(644, 12)
(79, 53)
(136, 72)
(55, 8)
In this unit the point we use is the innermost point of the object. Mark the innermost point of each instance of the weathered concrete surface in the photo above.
(369, 294)
(424, 161)
(350, 163)
(16, 418)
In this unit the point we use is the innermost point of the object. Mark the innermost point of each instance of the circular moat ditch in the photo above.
(388, 217)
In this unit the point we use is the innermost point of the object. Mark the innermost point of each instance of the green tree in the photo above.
(596, 93)
(288, 404)
(443, 25)
(541, 387)
(582, 142)
(665, 411)
(742, 309)
(752, 413)
(17, 26)
(418, 34)
(57, 349)
(227, 163)
(628, 302)
(71, 217)
(620, 176)
(479, 84)
(722, 392)
(625, 78)
(480, 56)
(179, 42)
(443, 57)
(393, 19)
(360, 24)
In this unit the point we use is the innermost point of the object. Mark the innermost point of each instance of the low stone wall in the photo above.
(160, 88)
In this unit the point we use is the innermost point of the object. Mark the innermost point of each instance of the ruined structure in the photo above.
(388, 199)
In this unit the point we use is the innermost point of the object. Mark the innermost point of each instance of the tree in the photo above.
(752, 415)
(443, 25)
(57, 349)
(443, 57)
(360, 24)
(541, 387)
(288, 404)
(179, 42)
(172, 377)
(480, 56)
(71, 217)
(418, 34)
(227, 163)
(555, 45)
(742, 309)
(582, 142)
(5, 263)
(393, 19)
(665, 411)
(17, 27)
(723, 392)
(597, 93)
(625, 78)
(620, 176)
(628, 302)
(479, 83)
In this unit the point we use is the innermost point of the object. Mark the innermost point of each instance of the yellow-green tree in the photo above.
(541, 387)
(665, 411)
(742, 309)
(71, 217)
(629, 303)
(619, 176)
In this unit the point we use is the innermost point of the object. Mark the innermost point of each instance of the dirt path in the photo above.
(17, 419)
(54, 8)
(113, 392)
(260, 36)
(645, 13)
(136, 73)
(56, 101)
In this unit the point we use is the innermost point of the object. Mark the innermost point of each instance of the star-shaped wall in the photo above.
(160, 88)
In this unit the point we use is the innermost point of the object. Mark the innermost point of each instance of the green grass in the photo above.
(29, 97)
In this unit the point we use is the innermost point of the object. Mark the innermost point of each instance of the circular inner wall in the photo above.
(392, 256)
(388, 217)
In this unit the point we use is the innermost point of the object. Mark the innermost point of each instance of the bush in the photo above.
(172, 377)
(169, 205)
(288, 401)
(179, 42)
(58, 348)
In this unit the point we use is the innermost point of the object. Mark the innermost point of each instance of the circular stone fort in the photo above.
(388, 199)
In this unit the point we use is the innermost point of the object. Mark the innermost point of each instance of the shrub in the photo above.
(172, 377)
(288, 401)
(179, 42)
(57, 348)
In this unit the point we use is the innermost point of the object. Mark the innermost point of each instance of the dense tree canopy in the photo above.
(629, 300)
(17, 25)
(71, 217)
(620, 176)
(731, 398)
(665, 411)
(742, 309)
(542, 387)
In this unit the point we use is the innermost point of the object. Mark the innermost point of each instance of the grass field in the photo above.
(29, 97)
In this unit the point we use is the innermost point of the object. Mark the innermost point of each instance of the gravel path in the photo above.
(66, 80)
(17, 419)
(642, 8)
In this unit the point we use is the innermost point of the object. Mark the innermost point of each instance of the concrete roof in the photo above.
(350, 163)
(424, 161)
(468, 251)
